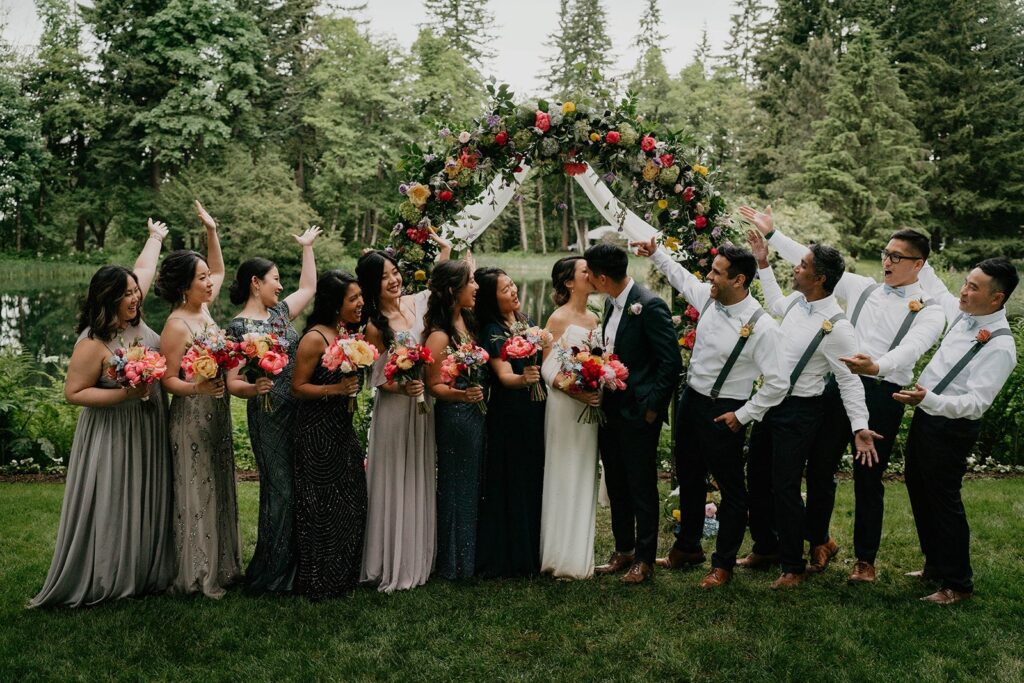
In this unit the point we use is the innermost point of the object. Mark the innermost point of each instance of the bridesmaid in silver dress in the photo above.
(206, 534)
(114, 539)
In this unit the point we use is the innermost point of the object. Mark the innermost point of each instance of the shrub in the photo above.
(964, 254)
(1002, 428)
(37, 426)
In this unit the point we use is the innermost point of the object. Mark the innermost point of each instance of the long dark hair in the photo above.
(98, 313)
(487, 310)
(241, 286)
(176, 274)
(370, 272)
(446, 281)
(331, 290)
(563, 271)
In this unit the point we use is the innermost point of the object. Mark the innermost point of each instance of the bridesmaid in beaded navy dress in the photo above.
(460, 425)
(257, 284)
(508, 542)
(330, 482)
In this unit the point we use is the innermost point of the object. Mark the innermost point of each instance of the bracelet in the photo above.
(769, 235)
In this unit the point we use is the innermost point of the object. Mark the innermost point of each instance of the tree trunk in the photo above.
(524, 243)
(581, 245)
(17, 227)
(155, 173)
(565, 220)
(80, 234)
(300, 172)
(540, 216)
(581, 233)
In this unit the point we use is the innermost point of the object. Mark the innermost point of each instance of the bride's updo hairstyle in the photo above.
(563, 272)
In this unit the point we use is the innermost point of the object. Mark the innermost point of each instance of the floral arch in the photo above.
(461, 181)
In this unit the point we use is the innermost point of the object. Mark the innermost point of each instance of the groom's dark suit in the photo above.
(645, 342)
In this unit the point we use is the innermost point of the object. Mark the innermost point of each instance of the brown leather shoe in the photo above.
(821, 555)
(924, 575)
(788, 580)
(716, 577)
(946, 596)
(617, 562)
(758, 561)
(863, 572)
(638, 573)
(677, 559)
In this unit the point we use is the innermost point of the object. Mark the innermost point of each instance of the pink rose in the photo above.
(688, 194)
(647, 143)
(273, 362)
(612, 137)
(543, 121)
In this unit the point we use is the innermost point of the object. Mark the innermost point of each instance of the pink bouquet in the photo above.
(351, 354)
(210, 354)
(527, 343)
(464, 367)
(266, 355)
(406, 363)
(136, 364)
(590, 368)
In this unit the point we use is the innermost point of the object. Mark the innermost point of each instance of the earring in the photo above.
(184, 298)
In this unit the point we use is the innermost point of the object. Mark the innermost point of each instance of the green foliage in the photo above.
(465, 25)
(1002, 428)
(966, 253)
(21, 153)
(37, 425)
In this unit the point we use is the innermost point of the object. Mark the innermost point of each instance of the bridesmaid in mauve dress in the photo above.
(114, 539)
(330, 483)
(257, 284)
(206, 533)
(460, 425)
(508, 542)
(399, 549)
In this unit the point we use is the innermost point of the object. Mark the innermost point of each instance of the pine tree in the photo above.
(651, 34)
(466, 26)
(581, 67)
(561, 58)
(446, 88)
(745, 35)
(649, 78)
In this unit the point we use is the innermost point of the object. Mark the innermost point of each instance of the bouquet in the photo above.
(266, 355)
(210, 354)
(351, 354)
(527, 343)
(464, 367)
(590, 368)
(406, 363)
(136, 364)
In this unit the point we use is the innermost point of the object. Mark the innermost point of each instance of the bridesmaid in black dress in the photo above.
(330, 482)
(508, 540)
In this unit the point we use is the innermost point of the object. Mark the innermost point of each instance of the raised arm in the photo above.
(775, 301)
(683, 281)
(301, 297)
(145, 264)
(214, 257)
(936, 289)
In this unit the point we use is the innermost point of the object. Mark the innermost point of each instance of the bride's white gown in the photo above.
(570, 478)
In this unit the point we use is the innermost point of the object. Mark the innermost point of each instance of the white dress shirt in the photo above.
(937, 290)
(798, 328)
(717, 334)
(881, 317)
(618, 303)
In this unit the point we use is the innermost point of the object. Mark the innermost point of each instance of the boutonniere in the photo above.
(826, 326)
(983, 336)
(636, 309)
(915, 305)
(746, 330)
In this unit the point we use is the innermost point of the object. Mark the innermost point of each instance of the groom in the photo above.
(637, 327)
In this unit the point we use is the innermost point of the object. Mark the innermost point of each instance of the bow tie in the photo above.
(806, 305)
(896, 291)
(722, 309)
(969, 322)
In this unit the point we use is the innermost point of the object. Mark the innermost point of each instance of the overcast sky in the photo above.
(521, 26)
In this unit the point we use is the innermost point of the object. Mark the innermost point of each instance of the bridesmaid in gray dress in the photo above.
(206, 534)
(114, 539)
(257, 284)
(460, 424)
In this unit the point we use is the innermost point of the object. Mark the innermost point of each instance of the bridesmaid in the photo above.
(206, 534)
(398, 553)
(459, 423)
(114, 539)
(257, 284)
(330, 483)
(509, 531)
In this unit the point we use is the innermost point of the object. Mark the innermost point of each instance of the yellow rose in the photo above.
(915, 305)
(651, 171)
(745, 331)
(361, 355)
(262, 347)
(662, 203)
(703, 170)
(826, 326)
(420, 275)
(672, 243)
(594, 137)
(418, 194)
(675, 515)
(568, 107)
(699, 275)
(135, 353)
(453, 168)
(205, 367)
(404, 362)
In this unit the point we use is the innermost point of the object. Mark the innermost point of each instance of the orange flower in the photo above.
(915, 305)
(983, 336)
(745, 331)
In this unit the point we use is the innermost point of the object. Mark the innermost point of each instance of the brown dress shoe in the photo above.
(617, 562)
(716, 577)
(946, 596)
(821, 555)
(924, 575)
(758, 561)
(788, 580)
(638, 573)
(863, 572)
(677, 559)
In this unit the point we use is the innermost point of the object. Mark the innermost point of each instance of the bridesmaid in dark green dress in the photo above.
(508, 540)
(257, 284)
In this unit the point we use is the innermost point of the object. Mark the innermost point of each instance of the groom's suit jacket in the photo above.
(646, 343)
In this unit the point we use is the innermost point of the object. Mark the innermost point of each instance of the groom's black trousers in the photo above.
(629, 452)
(704, 446)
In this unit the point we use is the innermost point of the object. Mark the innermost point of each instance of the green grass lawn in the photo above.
(538, 629)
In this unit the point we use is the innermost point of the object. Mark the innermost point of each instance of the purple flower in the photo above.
(403, 189)
(390, 251)
(716, 231)
(493, 120)
(657, 162)
(609, 178)
(443, 133)
(647, 216)
(562, 206)
(427, 158)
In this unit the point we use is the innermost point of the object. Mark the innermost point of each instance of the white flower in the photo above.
(464, 137)
(636, 308)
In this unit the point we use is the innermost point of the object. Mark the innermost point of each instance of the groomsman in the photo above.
(815, 334)
(957, 386)
(736, 343)
(638, 328)
(896, 324)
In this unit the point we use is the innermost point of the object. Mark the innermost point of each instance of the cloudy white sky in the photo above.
(521, 26)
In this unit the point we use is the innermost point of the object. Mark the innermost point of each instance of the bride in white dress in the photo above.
(570, 468)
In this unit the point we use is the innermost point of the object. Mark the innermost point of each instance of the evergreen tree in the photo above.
(649, 78)
(745, 35)
(651, 33)
(561, 59)
(445, 87)
(583, 57)
(465, 25)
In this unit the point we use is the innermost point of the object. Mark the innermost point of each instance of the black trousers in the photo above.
(936, 460)
(629, 452)
(704, 446)
(826, 452)
(780, 447)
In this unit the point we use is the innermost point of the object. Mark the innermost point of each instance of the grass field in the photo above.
(539, 629)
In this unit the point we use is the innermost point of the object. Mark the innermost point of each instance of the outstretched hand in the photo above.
(645, 248)
(763, 221)
(860, 364)
(307, 238)
(910, 397)
(157, 229)
(758, 246)
(205, 218)
(864, 444)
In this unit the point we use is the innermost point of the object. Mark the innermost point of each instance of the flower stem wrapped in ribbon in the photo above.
(351, 354)
(463, 367)
(591, 368)
(210, 354)
(136, 364)
(406, 363)
(527, 343)
(266, 355)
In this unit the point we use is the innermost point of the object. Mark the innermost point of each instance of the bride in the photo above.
(570, 469)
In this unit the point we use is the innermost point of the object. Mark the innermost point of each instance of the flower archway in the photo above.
(460, 181)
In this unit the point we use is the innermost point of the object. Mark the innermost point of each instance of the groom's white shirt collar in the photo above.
(619, 302)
